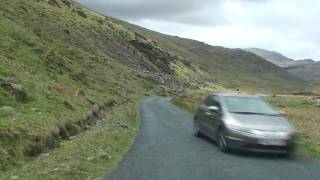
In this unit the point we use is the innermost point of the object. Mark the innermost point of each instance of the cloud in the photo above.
(290, 27)
(146, 9)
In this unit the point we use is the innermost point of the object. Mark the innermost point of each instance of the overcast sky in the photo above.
(291, 27)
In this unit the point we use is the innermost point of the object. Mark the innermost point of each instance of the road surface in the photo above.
(166, 149)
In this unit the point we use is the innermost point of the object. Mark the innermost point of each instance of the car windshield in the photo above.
(248, 105)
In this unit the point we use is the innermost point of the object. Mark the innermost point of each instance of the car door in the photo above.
(212, 119)
(202, 115)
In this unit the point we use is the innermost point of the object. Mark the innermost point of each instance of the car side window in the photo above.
(212, 101)
(207, 102)
(216, 101)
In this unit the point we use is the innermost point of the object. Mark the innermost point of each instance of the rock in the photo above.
(67, 31)
(37, 31)
(7, 110)
(92, 159)
(110, 103)
(14, 177)
(80, 93)
(54, 3)
(72, 137)
(61, 89)
(122, 125)
(66, 104)
(82, 14)
(56, 169)
(90, 101)
(105, 156)
(96, 109)
(14, 87)
(67, 3)
(316, 101)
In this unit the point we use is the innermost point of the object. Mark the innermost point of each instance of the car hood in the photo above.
(263, 122)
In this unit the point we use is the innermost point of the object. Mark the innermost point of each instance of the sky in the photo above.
(291, 27)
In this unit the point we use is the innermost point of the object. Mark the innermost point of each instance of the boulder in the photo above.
(14, 87)
(82, 14)
(105, 156)
(67, 3)
(68, 105)
(54, 3)
(92, 159)
(316, 101)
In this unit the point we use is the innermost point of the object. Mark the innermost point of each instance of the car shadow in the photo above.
(249, 154)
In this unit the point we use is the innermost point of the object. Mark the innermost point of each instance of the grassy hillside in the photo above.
(61, 66)
(233, 68)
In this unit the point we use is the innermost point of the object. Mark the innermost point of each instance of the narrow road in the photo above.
(166, 149)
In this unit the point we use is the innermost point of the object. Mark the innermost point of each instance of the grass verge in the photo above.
(92, 155)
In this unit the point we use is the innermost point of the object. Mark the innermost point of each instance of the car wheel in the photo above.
(222, 143)
(196, 130)
(288, 154)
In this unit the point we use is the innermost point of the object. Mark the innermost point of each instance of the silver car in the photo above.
(239, 121)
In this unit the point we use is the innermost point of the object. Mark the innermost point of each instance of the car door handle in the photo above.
(208, 113)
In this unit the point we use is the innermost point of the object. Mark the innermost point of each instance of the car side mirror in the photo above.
(215, 109)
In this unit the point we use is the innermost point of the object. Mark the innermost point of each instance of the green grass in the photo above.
(82, 158)
(303, 113)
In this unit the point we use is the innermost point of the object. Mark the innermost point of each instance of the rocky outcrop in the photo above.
(154, 53)
(54, 3)
(82, 14)
(15, 88)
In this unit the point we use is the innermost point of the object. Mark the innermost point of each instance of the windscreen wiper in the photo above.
(236, 112)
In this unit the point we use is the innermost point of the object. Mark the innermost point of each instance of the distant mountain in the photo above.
(306, 69)
(271, 56)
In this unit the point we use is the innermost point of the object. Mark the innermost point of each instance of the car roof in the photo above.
(233, 94)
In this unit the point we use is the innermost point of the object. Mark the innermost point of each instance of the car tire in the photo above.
(288, 154)
(222, 143)
(196, 130)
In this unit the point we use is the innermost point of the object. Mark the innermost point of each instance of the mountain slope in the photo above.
(306, 69)
(271, 56)
(231, 67)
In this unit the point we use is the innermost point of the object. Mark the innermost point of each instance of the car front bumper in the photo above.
(250, 142)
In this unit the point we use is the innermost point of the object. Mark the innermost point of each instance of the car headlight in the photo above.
(245, 130)
(270, 134)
